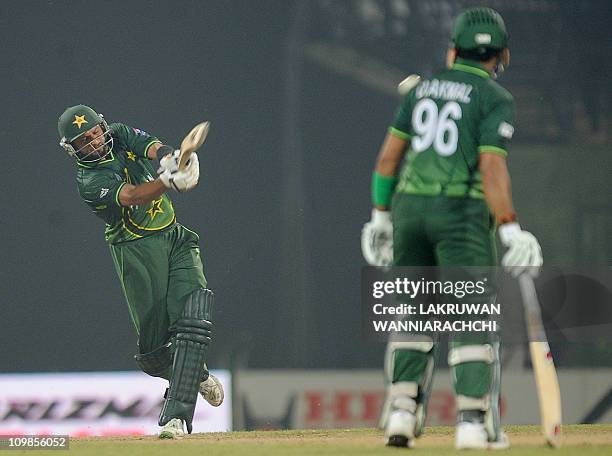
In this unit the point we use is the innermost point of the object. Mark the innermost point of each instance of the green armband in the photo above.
(382, 189)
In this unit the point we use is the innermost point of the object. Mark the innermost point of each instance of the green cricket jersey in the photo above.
(449, 120)
(99, 185)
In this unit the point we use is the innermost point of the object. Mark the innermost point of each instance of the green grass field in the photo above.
(579, 440)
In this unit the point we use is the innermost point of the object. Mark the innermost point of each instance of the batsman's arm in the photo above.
(158, 150)
(136, 195)
(497, 186)
(387, 164)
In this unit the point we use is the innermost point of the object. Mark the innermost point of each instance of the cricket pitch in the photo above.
(525, 440)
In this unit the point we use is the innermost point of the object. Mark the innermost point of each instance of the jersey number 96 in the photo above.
(437, 128)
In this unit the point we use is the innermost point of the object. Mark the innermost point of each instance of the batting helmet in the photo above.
(75, 122)
(480, 29)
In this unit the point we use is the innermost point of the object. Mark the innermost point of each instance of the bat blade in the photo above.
(549, 394)
(547, 382)
(192, 142)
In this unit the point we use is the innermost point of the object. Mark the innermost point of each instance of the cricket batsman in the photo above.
(157, 259)
(442, 209)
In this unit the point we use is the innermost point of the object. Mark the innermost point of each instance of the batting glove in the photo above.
(377, 239)
(185, 180)
(169, 162)
(524, 253)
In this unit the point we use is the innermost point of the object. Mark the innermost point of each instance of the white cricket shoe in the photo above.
(211, 390)
(473, 436)
(401, 424)
(173, 429)
(502, 442)
(470, 436)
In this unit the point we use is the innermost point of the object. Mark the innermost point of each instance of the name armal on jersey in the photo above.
(445, 90)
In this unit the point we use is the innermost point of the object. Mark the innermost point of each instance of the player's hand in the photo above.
(185, 180)
(524, 253)
(377, 239)
(169, 162)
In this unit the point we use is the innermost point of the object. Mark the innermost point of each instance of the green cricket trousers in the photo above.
(157, 273)
(445, 231)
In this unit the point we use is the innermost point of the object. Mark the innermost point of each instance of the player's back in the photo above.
(450, 118)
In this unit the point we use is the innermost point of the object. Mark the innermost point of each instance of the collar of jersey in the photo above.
(470, 66)
(94, 164)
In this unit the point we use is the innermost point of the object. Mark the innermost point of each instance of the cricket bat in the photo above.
(547, 383)
(194, 139)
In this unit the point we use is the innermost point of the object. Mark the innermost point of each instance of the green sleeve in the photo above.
(402, 122)
(100, 190)
(497, 126)
(133, 139)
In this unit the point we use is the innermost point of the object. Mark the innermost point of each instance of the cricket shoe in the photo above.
(211, 390)
(401, 423)
(473, 436)
(173, 429)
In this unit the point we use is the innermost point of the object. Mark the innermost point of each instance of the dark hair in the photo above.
(479, 54)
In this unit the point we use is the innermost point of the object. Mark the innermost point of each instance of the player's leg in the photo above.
(156, 363)
(193, 336)
(465, 237)
(186, 280)
(186, 271)
(411, 245)
(142, 268)
(476, 371)
(409, 369)
(186, 275)
(409, 361)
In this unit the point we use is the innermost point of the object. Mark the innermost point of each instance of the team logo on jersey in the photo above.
(482, 38)
(131, 155)
(79, 120)
(138, 131)
(156, 208)
(505, 130)
(103, 192)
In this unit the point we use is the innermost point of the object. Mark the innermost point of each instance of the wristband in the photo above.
(163, 151)
(382, 189)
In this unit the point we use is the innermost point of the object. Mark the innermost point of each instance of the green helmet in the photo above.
(480, 29)
(73, 123)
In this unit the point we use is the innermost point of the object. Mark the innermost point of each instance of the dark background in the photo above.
(299, 94)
